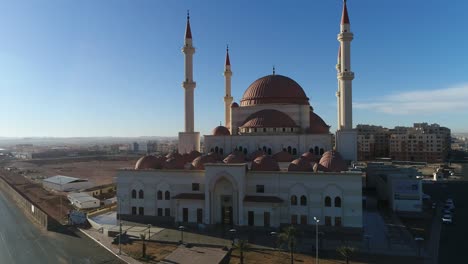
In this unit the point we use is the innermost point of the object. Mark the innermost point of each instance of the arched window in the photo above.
(303, 200)
(294, 152)
(337, 201)
(141, 194)
(264, 149)
(289, 149)
(269, 151)
(264, 129)
(284, 129)
(316, 150)
(255, 129)
(216, 149)
(134, 194)
(245, 151)
(292, 129)
(159, 195)
(221, 151)
(167, 195)
(311, 150)
(327, 201)
(212, 150)
(321, 151)
(294, 200)
(240, 148)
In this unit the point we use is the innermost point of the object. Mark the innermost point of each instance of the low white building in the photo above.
(65, 183)
(83, 200)
(398, 186)
(263, 193)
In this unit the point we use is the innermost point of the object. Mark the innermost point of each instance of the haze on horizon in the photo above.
(99, 69)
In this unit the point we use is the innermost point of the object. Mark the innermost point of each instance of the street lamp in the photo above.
(119, 201)
(274, 234)
(182, 228)
(367, 238)
(316, 239)
(232, 232)
(419, 241)
(149, 231)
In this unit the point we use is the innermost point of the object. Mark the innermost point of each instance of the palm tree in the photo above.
(346, 252)
(288, 236)
(242, 245)
(143, 248)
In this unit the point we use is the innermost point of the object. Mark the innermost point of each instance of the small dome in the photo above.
(283, 156)
(173, 155)
(221, 131)
(149, 162)
(233, 105)
(235, 157)
(268, 118)
(310, 156)
(300, 164)
(333, 162)
(274, 89)
(186, 157)
(265, 163)
(194, 154)
(199, 163)
(177, 163)
(317, 125)
(318, 167)
(256, 154)
(216, 156)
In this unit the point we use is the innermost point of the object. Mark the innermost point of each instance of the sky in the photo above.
(115, 67)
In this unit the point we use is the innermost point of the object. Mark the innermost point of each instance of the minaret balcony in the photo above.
(188, 49)
(345, 36)
(228, 73)
(189, 85)
(345, 75)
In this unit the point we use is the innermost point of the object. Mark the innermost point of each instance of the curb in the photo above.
(102, 245)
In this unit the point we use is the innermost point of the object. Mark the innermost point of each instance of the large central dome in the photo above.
(274, 89)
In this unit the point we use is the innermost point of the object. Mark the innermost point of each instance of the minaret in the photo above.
(346, 136)
(345, 75)
(338, 98)
(189, 139)
(227, 98)
(188, 84)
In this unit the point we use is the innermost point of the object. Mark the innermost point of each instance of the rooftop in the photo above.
(60, 179)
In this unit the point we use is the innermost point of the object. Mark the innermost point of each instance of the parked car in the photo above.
(450, 207)
(447, 219)
(446, 212)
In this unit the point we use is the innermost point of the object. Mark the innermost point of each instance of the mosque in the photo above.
(273, 163)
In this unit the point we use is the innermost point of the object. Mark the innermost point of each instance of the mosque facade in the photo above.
(273, 162)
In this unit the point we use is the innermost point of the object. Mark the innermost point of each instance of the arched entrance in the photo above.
(224, 201)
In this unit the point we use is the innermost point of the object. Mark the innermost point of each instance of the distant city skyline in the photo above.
(102, 68)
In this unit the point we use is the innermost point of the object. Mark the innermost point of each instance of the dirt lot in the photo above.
(275, 257)
(49, 202)
(99, 172)
(155, 251)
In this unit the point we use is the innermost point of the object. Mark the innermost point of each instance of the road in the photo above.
(23, 242)
(452, 244)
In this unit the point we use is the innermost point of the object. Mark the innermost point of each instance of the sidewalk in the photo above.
(106, 242)
(433, 246)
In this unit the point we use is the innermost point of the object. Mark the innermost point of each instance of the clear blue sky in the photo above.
(114, 68)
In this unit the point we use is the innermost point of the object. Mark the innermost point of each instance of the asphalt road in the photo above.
(452, 245)
(23, 242)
